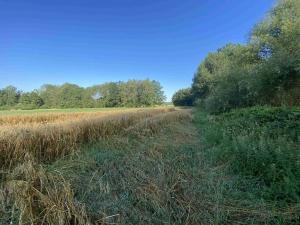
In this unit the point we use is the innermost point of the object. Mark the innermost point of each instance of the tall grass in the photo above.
(47, 142)
(40, 197)
(259, 144)
(158, 168)
(56, 116)
(33, 195)
(161, 171)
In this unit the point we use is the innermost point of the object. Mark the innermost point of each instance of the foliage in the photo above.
(133, 93)
(265, 71)
(31, 100)
(183, 97)
(9, 96)
(260, 144)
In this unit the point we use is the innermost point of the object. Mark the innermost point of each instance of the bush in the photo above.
(261, 144)
(183, 97)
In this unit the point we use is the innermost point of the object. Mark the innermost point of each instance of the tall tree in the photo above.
(9, 96)
(277, 39)
(31, 100)
(183, 97)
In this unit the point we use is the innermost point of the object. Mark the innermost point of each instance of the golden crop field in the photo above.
(48, 136)
(29, 141)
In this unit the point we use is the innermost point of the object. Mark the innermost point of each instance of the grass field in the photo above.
(74, 110)
(150, 166)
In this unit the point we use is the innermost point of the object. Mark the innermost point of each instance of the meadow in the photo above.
(150, 166)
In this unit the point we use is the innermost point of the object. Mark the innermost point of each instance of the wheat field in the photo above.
(29, 142)
(49, 136)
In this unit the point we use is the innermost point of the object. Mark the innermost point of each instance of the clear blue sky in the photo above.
(89, 42)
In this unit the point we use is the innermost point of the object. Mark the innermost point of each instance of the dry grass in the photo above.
(53, 117)
(153, 125)
(42, 198)
(30, 194)
(47, 142)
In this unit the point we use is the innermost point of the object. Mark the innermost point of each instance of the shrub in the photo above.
(183, 97)
(261, 144)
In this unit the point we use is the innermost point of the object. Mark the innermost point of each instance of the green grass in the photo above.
(240, 167)
(222, 173)
(261, 144)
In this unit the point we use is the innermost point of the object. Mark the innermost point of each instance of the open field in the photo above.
(49, 136)
(70, 110)
(152, 166)
(17, 117)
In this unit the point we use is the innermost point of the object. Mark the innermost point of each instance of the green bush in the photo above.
(261, 144)
(183, 97)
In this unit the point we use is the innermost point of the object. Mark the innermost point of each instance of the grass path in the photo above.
(163, 178)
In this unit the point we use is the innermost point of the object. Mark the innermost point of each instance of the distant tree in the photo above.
(158, 93)
(9, 96)
(49, 94)
(110, 94)
(133, 93)
(70, 96)
(128, 93)
(149, 93)
(183, 97)
(64, 96)
(137, 93)
(31, 100)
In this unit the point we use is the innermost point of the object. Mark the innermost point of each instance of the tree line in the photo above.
(133, 93)
(265, 71)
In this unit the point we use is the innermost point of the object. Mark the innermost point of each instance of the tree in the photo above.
(265, 71)
(277, 39)
(133, 93)
(31, 100)
(136, 93)
(224, 79)
(183, 97)
(49, 94)
(64, 96)
(149, 93)
(9, 96)
(70, 96)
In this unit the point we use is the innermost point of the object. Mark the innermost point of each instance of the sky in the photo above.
(89, 42)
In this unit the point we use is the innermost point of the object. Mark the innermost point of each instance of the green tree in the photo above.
(70, 96)
(183, 97)
(277, 39)
(136, 93)
(49, 94)
(31, 100)
(149, 93)
(265, 71)
(224, 80)
(9, 96)
(133, 93)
